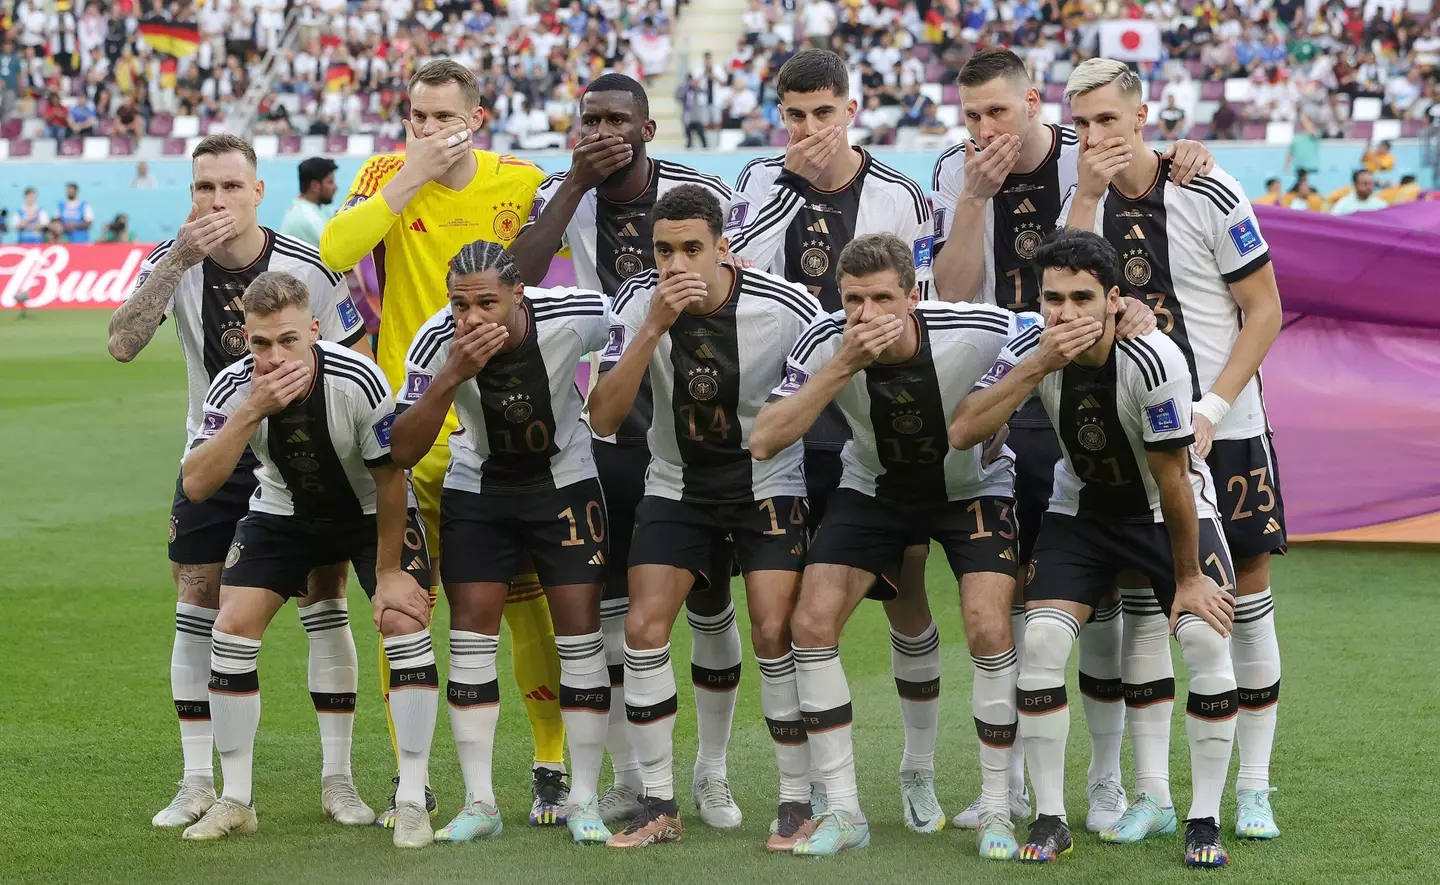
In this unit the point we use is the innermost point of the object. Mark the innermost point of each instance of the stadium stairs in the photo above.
(703, 25)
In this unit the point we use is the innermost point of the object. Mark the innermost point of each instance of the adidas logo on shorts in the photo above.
(597, 559)
(1271, 527)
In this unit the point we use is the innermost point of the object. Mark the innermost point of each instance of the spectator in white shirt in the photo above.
(756, 22)
(742, 101)
(1362, 196)
(819, 20)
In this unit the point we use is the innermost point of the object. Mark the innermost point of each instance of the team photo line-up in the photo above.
(1038, 362)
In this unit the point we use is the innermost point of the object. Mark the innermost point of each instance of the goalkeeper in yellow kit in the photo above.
(436, 197)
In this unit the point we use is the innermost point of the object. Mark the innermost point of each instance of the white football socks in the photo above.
(1102, 694)
(650, 705)
(189, 678)
(825, 708)
(915, 661)
(334, 680)
(992, 702)
(414, 701)
(1256, 652)
(617, 730)
(715, 671)
(585, 708)
(1210, 711)
(235, 708)
(780, 702)
(474, 695)
(1042, 703)
(1149, 678)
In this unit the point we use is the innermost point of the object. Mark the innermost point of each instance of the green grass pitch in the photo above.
(89, 745)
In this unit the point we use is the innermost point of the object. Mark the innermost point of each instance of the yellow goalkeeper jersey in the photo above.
(413, 249)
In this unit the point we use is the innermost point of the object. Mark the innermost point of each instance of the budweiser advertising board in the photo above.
(69, 276)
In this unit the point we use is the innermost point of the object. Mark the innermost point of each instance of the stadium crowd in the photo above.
(86, 69)
(1349, 63)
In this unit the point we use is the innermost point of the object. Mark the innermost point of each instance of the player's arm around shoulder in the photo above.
(362, 222)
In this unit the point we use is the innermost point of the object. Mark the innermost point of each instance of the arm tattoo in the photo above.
(133, 323)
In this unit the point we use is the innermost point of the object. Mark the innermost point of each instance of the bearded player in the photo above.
(436, 197)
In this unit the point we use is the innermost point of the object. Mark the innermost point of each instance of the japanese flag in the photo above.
(1130, 40)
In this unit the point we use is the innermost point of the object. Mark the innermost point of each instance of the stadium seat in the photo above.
(948, 114)
(1411, 128)
(94, 148)
(1050, 113)
(779, 138)
(1361, 130)
(336, 144)
(19, 147)
(266, 146)
(1279, 132)
(1201, 132)
(1237, 90)
(730, 139)
(121, 146)
(1386, 130)
(484, 142)
(933, 91)
(106, 127)
(10, 128)
(1212, 90)
(950, 94)
(386, 144)
(185, 127)
(360, 145)
(173, 147)
(934, 72)
(1150, 134)
(289, 145)
(72, 147)
(1253, 132)
(1197, 69)
(922, 51)
(1366, 108)
(1054, 92)
(161, 126)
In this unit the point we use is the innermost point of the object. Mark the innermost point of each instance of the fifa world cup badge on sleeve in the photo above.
(349, 316)
(535, 208)
(794, 380)
(1164, 418)
(416, 383)
(382, 429)
(924, 251)
(616, 345)
(997, 372)
(1246, 236)
(735, 218)
(211, 424)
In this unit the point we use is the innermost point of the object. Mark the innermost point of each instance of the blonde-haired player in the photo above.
(436, 197)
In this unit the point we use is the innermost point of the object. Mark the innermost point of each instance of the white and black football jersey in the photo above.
(1017, 218)
(609, 242)
(1180, 249)
(315, 454)
(711, 374)
(208, 312)
(899, 413)
(1107, 417)
(520, 427)
(792, 229)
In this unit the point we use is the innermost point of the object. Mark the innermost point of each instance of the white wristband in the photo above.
(1213, 406)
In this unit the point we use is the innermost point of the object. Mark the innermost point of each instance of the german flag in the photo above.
(177, 39)
(167, 73)
(337, 76)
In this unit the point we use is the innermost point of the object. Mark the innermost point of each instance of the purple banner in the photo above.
(1353, 383)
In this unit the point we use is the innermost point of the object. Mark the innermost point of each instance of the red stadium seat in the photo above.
(1212, 90)
(106, 127)
(934, 72)
(779, 137)
(1054, 93)
(72, 147)
(1362, 129)
(20, 147)
(950, 94)
(289, 144)
(336, 144)
(11, 128)
(1253, 132)
(160, 127)
(922, 51)
(1411, 128)
(173, 147)
(121, 146)
(385, 144)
